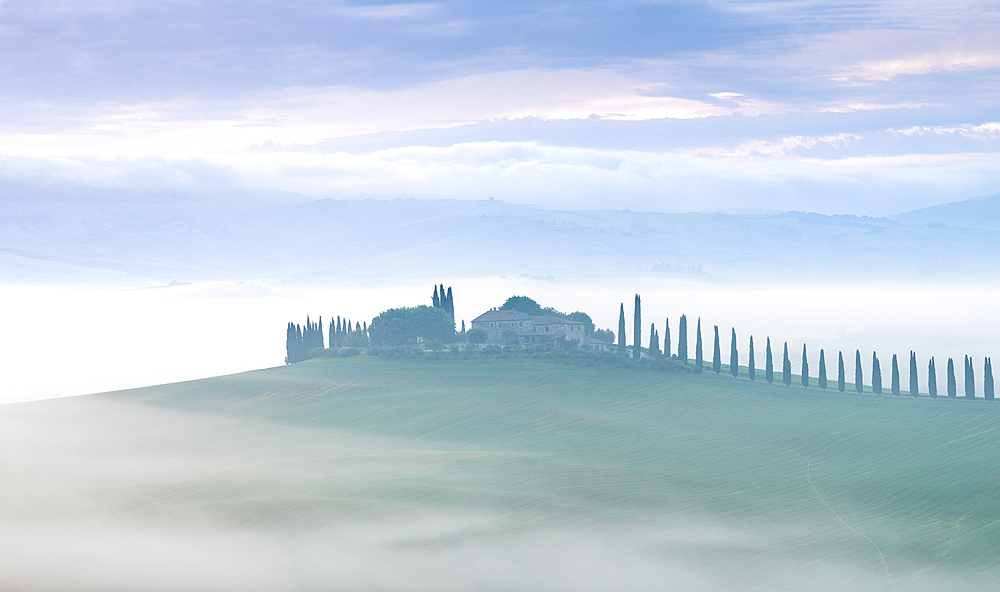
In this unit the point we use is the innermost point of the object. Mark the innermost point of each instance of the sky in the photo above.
(838, 107)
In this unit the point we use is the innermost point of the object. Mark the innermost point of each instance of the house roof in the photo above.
(502, 315)
(550, 320)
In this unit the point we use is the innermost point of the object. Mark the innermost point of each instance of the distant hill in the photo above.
(978, 212)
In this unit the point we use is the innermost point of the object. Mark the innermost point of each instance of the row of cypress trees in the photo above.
(444, 300)
(804, 376)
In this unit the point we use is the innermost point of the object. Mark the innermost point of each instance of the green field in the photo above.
(368, 473)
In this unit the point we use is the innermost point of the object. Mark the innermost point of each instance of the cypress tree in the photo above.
(666, 339)
(786, 367)
(621, 328)
(441, 302)
(717, 354)
(463, 326)
(931, 378)
(289, 343)
(435, 300)
(682, 339)
(952, 386)
(988, 379)
(876, 375)
(768, 364)
(699, 351)
(970, 379)
(805, 368)
(750, 369)
(859, 378)
(841, 374)
(654, 346)
(333, 335)
(451, 304)
(637, 329)
(914, 384)
(895, 376)
(734, 357)
(822, 370)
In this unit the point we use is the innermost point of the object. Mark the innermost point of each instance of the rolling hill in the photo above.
(518, 474)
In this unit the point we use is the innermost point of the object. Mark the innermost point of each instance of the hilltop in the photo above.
(505, 474)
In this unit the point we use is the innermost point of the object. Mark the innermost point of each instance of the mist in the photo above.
(106, 494)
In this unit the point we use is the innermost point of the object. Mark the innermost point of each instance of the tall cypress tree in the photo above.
(914, 384)
(750, 366)
(637, 329)
(682, 339)
(805, 368)
(768, 364)
(666, 338)
(970, 379)
(717, 354)
(451, 305)
(876, 375)
(841, 374)
(463, 326)
(734, 357)
(621, 328)
(859, 378)
(952, 386)
(699, 351)
(786, 367)
(895, 376)
(988, 379)
(931, 378)
(822, 370)
(435, 299)
(654, 346)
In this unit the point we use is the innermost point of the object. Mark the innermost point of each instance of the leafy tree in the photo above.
(786, 368)
(931, 378)
(952, 386)
(682, 339)
(582, 317)
(988, 379)
(734, 356)
(876, 375)
(717, 354)
(769, 364)
(822, 370)
(355, 339)
(666, 338)
(475, 335)
(970, 379)
(637, 330)
(510, 336)
(895, 376)
(621, 328)
(401, 326)
(605, 335)
(699, 350)
(841, 373)
(523, 304)
(750, 368)
(914, 384)
(805, 368)
(859, 380)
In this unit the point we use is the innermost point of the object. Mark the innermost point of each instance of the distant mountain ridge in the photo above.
(978, 212)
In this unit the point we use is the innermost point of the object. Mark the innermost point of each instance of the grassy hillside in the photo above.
(526, 474)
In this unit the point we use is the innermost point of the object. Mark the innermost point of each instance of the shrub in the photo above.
(434, 345)
(316, 352)
(346, 352)
(491, 349)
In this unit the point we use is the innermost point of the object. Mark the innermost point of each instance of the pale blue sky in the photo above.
(868, 108)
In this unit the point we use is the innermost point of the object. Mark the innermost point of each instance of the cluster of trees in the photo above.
(804, 373)
(403, 326)
(445, 301)
(300, 339)
(342, 334)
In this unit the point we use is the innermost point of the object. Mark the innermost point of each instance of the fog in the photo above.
(110, 495)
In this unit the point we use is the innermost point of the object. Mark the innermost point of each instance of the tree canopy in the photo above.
(400, 326)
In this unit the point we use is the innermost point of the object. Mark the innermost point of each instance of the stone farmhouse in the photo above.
(535, 329)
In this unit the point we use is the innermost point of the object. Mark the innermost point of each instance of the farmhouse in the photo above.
(505, 325)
